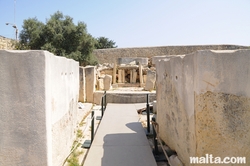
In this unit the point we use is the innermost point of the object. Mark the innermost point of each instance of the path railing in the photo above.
(87, 143)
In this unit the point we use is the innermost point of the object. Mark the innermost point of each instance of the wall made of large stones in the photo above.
(203, 104)
(38, 110)
(6, 43)
(111, 55)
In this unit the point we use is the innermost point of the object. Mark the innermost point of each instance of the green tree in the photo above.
(30, 35)
(103, 42)
(60, 36)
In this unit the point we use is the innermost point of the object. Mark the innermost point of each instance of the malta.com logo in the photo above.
(209, 159)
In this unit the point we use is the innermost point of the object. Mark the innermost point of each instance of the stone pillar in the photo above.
(90, 75)
(114, 74)
(82, 90)
(131, 76)
(123, 76)
(151, 78)
(107, 82)
(140, 74)
(119, 76)
(134, 76)
(100, 84)
(144, 78)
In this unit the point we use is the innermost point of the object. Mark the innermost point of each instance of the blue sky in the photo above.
(139, 23)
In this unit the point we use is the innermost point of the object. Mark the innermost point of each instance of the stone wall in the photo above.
(111, 55)
(38, 110)
(203, 104)
(6, 43)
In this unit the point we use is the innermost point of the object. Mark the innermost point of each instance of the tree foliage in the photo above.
(103, 42)
(60, 36)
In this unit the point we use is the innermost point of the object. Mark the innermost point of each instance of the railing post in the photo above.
(105, 99)
(87, 143)
(102, 105)
(92, 125)
(155, 138)
(148, 113)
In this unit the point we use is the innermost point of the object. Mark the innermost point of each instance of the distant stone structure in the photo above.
(112, 55)
(6, 43)
(203, 103)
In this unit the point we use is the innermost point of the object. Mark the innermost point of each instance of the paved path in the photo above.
(120, 139)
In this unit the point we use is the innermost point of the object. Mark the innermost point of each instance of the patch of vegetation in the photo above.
(73, 160)
(79, 133)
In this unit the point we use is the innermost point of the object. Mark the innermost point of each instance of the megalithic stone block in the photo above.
(90, 74)
(82, 90)
(107, 82)
(150, 82)
(38, 107)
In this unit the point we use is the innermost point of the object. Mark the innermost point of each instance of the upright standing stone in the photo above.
(90, 73)
(107, 82)
(114, 73)
(119, 76)
(82, 90)
(123, 76)
(150, 83)
(100, 84)
(134, 76)
(144, 78)
(131, 76)
(140, 74)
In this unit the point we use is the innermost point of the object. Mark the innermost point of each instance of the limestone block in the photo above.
(100, 84)
(90, 75)
(154, 107)
(203, 103)
(114, 86)
(123, 76)
(132, 61)
(150, 82)
(114, 73)
(131, 76)
(120, 76)
(140, 74)
(144, 78)
(38, 110)
(134, 76)
(82, 90)
(98, 97)
(107, 82)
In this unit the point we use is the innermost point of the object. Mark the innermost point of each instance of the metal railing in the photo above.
(88, 143)
(104, 102)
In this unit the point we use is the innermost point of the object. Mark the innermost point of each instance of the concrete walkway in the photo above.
(120, 139)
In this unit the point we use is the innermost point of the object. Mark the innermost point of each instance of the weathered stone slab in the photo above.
(82, 90)
(90, 74)
(107, 82)
(38, 110)
(203, 103)
(150, 82)
(133, 61)
(100, 84)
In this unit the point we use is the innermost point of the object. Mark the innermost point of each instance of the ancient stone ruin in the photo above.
(203, 100)
(127, 72)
